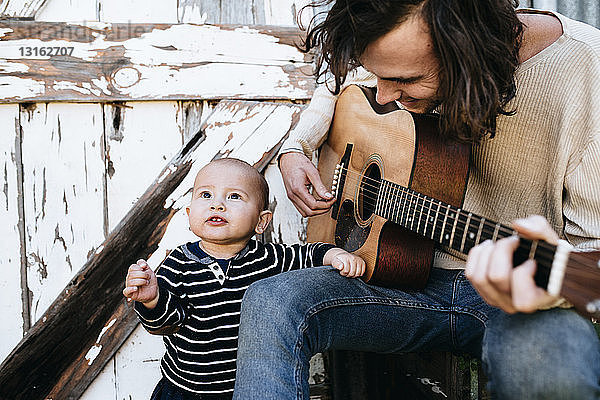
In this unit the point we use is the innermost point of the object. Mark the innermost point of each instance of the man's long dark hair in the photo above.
(477, 44)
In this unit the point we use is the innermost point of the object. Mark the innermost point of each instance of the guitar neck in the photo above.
(453, 227)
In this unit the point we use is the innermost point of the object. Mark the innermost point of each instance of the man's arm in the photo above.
(298, 172)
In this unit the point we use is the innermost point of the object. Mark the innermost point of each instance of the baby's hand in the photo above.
(141, 284)
(348, 264)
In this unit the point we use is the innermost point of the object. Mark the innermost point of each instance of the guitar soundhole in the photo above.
(368, 192)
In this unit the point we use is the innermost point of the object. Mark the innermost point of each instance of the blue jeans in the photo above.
(288, 318)
(552, 354)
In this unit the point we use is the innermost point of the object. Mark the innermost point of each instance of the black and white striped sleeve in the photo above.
(169, 313)
(303, 256)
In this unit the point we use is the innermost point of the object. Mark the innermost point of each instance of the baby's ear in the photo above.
(264, 219)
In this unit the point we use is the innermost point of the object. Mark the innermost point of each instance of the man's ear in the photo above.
(187, 210)
(264, 219)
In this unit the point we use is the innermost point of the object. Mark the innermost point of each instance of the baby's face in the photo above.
(225, 205)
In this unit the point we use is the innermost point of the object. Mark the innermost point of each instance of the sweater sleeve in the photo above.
(312, 128)
(169, 313)
(581, 205)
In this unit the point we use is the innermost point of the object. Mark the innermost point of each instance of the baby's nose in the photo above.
(217, 206)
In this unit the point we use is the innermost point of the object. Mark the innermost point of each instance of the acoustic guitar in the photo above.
(399, 189)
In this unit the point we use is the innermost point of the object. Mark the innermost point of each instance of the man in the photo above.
(523, 88)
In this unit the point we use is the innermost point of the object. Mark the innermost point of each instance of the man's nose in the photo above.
(387, 92)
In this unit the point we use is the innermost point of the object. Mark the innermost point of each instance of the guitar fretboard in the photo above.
(450, 226)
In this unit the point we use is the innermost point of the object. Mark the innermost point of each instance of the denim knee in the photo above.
(275, 296)
(547, 355)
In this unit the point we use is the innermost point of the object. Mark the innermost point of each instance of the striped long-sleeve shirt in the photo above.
(202, 301)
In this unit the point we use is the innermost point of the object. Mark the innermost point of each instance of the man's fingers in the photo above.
(527, 296)
(477, 271)
(499, 272)
(318, 186)
(310, 203)
(535, 227)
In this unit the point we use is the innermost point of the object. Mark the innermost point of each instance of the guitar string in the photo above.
(413, 207)
(578, 267)
(544, 258)
(544, 252)
(414, 194)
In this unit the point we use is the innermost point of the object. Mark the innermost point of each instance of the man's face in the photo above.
(405, 65)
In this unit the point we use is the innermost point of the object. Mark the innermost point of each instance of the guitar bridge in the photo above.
(339, 179)
(336, 177)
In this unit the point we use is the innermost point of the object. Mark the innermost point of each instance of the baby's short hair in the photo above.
(261, 182)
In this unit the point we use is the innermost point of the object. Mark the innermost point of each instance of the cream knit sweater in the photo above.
(544, 160)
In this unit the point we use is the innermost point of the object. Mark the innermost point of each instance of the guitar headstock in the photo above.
(581, 284)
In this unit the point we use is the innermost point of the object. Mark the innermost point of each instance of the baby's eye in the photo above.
(235, 196)
(205, 195)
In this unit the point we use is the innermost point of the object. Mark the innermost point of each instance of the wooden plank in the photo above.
(137, 365)
(10, 245)
(189, 116)
(138, 11)
(78, 325)
(236, 12)
(287, 226)
(68, 11)
(64, 194)
(199, 11)
(251, 12)
(285, 12)
(118, 62)
(20, 8)
(141, 138)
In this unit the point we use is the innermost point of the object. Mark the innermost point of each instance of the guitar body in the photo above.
(383, 142)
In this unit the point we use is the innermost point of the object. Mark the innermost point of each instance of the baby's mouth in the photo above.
(216, 220)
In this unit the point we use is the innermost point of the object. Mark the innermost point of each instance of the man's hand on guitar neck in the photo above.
(490, 270)
(299, 174)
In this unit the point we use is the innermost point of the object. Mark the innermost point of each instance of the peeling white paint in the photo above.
(68, 85)
(168, 171)
(214, 81)
(185, 59)
(96, 25)
(192, 13)
(126, 77)
(102, 83)
(10, 244)
(106, 328)
(151, 138)
(12, 67)
(4, 31)
(92, 353)
(63, 180)
(12, 87)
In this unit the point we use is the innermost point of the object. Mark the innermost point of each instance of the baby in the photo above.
(194, 298)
